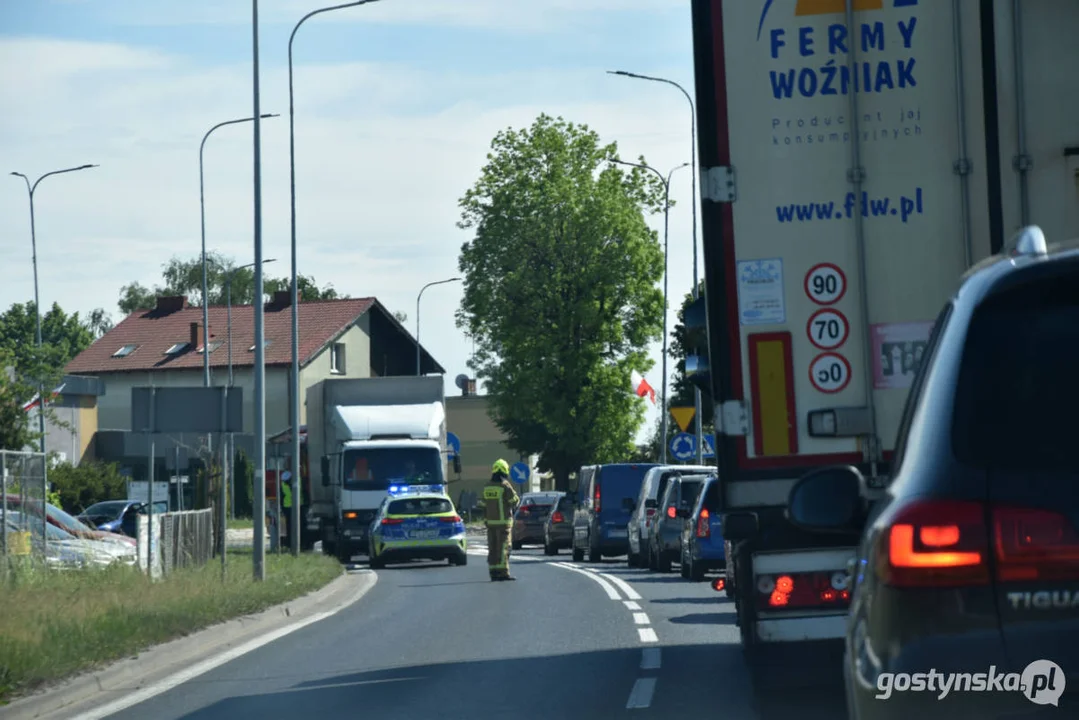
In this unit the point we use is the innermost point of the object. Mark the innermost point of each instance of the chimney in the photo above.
(196, 336)
(471, 389)
(167, 304)
(282, 298)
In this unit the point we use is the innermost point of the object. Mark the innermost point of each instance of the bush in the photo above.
(80, 486)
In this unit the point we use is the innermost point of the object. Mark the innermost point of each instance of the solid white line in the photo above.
(650, 659)
(608, 588)
(622, 585)
(641, 694)
(631, 604)
(640, 618)
(647, 634)
(198, 669)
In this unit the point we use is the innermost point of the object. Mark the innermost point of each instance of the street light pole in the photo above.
(30, 188)
(430, 284)
(258, 555)
(202, 219)
(666, 217)
(294, 371)
(228, 324)
(696, 283)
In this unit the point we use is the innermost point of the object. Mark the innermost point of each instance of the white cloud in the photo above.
(378, 177)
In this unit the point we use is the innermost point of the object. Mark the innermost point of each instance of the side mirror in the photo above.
(651, 503)
(828, 500)
(629, 504)
(457, 464)
(740, 525)
(325, 471)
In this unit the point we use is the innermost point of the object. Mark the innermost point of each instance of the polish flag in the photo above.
(35, 401)
(641, 387)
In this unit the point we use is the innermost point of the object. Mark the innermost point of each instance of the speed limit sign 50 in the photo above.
(829, 372)
(827, 328)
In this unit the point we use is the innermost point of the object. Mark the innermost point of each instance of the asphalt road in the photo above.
(567, 640)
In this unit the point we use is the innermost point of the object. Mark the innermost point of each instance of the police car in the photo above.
(417, 526)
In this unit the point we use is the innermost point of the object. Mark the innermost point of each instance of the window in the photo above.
(124, 351)
(420, 506)
(337, 359)
(176, 348)
(265, 344)
(213, 346)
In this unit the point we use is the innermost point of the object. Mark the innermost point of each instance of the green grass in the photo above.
(54, 624)
(241, 523)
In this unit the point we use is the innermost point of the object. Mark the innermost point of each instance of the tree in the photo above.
(15, 430)
(560, 292)
(184, 277)
(63, 337)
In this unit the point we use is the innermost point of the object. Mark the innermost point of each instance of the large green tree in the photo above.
(63, 336)
(184, 277)
(561, 292)
(15, 430)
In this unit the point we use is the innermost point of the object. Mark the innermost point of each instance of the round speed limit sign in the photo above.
(827, 328)
(825, 284)
(829, 372)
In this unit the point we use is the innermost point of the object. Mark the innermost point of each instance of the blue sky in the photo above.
(396, 104)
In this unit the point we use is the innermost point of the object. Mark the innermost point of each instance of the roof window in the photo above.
(176, 348)
(213, 346)
(265, 344)
(125, 351)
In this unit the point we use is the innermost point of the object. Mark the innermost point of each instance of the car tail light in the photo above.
(672, 512)
(557, 518)
(392, 521)
(650, 512)
(718, 584)
(351, 515)
(820, 590)
(1034, 545)
(704, 528)
(936, 543)
(595, 497)
(450, 518)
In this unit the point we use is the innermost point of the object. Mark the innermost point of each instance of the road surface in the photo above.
(567, 640)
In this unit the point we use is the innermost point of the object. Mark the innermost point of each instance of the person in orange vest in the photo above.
(499, 503)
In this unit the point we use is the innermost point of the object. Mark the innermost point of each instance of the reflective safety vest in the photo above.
(286, 494)
(499, 502)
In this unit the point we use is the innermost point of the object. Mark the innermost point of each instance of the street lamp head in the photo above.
(270, 115)
(619, 72)
(86, 167)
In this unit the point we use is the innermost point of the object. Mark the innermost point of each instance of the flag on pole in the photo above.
(641, 387)
(35, 401)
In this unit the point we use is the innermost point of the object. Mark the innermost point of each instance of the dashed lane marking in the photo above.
(641, 694)
(631, 604)
(650, 658)
(640, 618)
(647, 634)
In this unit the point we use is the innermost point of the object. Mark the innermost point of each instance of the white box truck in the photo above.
(373, 437)
(857, 157)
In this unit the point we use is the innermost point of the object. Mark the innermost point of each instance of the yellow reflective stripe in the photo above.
(410, 517)
(423, 543)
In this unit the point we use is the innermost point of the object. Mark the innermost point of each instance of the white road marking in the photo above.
(622, 585)
(607, 587)
(641, 618)
(197, 669)
(647, 634)
(650, 659)
(641, 694)
(631, 604)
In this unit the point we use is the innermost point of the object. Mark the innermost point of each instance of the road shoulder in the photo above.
(89, 690)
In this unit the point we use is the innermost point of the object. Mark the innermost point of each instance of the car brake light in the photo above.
(704, 528)
(672, 513)
(392, 521)
(595, 497)
(650, 512)
(1034, 544)
(936, 543)
(450, 518)
(557, 518)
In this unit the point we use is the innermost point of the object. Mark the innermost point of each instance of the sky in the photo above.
(396, 103)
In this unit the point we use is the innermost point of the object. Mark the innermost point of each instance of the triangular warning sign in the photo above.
(683, 416)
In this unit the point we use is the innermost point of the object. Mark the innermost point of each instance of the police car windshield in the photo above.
(419, 506)
(378, 468)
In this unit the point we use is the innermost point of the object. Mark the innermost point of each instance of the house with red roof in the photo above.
(165, 347)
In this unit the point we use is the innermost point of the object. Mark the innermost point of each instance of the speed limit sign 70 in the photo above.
(829, 372)
(827, 328)
(825, 284)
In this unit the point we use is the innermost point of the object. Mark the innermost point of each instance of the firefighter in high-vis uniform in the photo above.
(499, 503)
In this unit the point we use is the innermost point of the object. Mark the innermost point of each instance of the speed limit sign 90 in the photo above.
(827, 328)
(825, 284)
(829, 372)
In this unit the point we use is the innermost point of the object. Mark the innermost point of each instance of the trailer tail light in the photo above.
(802, 591)
(718, 584)
(392, 521)
(596, 497)
(672, 513)
(935, 543)
(557, 517)
(704, 528)
(1034, 545)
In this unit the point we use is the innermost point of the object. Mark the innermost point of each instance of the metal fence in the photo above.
(180, 539)
(22, 495)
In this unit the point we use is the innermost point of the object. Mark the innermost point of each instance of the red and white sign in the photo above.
(829, 372)
(828, 329)
(825, 284)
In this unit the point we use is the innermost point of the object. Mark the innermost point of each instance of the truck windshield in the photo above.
(378, 468)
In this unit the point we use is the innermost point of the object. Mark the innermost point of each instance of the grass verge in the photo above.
(54, 624)
(241, 523)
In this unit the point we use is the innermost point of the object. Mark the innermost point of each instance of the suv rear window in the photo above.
(534, 510)
(1018, 393)
(420, 506)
